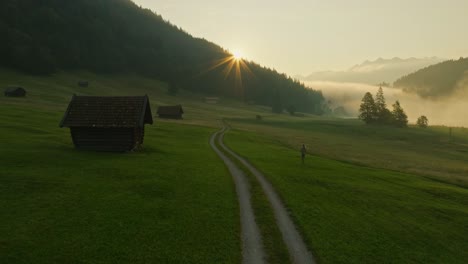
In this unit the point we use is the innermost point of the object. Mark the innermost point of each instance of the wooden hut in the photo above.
(83, 83)
(107, 123)
(171, 112)
(211, 100)
(15, 91)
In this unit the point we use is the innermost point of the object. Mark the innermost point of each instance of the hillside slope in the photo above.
(115, 36)
(437, 80)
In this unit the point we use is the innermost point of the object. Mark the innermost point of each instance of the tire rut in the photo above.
(297, 248)
(252, 247)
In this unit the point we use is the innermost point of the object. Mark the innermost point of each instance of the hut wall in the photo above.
(139, 134)
(16, 93)
(176, 116)
(103, 139)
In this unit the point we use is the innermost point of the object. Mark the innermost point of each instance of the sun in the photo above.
(236, 55)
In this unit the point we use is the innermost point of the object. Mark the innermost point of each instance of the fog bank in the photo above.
(449, 111)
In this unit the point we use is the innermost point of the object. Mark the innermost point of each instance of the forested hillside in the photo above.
(437, 80)
(374, 72)
(115, 36)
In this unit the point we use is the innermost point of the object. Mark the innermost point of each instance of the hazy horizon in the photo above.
(301, 37)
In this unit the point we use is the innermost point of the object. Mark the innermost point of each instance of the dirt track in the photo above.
(298, 250)
(252, 247)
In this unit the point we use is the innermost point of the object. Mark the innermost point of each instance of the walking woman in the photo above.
(303, 152)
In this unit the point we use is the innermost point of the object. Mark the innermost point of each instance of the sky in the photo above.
(303, 36)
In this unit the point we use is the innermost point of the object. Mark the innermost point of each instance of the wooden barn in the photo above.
(107, 123)
(15, 92)
(171, 112)
(83, 83)
(211, 100)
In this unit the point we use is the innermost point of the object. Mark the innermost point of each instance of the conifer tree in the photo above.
(367, 110)
(400, 118)
(277, 106)
(382, 112)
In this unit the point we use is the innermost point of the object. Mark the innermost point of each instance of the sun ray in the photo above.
(228, 68)
(216, 64)
(233, 64)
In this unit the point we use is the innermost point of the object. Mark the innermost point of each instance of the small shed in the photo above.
(171, 112)
(107, 123)
(211, 100)
(15, 91)
(83, 83)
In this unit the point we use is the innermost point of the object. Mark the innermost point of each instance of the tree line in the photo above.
(376, 112)
(117, 36)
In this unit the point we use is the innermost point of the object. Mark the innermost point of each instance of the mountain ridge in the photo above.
(373, 72)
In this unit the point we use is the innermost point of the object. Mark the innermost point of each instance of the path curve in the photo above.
(298, 250)
(252, 248)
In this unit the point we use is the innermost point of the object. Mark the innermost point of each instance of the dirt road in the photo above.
(253, 251)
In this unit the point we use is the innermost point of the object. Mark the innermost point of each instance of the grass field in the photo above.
(173, 202)
(367, 195)
(356, 214)
(428, 152)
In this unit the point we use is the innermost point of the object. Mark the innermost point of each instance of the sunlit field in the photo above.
(367, 194)
(432, 152)
(358, 214)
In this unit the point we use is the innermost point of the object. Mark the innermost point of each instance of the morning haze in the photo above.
(302, 36)
(330, 131)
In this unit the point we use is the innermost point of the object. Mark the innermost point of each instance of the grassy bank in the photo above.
(356, 214)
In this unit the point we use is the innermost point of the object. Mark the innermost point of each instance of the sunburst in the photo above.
(233, 62)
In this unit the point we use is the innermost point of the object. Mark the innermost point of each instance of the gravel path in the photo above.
(297, 248)
(252, 247)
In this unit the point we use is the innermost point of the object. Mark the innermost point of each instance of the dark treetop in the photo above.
(117, 36)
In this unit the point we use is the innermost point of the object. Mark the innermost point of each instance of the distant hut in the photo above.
(171, 112)
(211, 100)
(15, 92)
(83, 83)
(107, 123)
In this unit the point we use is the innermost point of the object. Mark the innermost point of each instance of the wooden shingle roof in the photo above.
(107, 112)
(170, 110)
(13, 89)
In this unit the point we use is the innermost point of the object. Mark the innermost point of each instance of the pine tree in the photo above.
(400, 118)
(172, 88)
(291, 109)
(382, 112)
(367, 110)
(422, 121)
(277, 106)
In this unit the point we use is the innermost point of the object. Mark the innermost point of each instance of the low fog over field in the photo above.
(449, 111)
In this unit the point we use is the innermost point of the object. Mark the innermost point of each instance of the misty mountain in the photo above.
(117, 36)
(442, 79)
(374, 72)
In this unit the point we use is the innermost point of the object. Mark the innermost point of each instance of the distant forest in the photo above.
(436, 80)
(117, 36)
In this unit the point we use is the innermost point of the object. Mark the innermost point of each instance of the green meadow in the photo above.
(365, 195)
(172, 202)
(355, 214)
(430, 152)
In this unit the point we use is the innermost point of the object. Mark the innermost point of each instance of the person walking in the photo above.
(303, 152)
